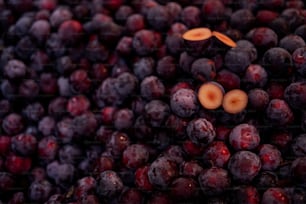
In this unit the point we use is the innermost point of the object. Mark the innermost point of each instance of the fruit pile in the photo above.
(153, 101)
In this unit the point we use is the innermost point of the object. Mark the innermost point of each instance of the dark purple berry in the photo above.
(152, 87)
(162, 171)
(244, 166)
(214, 181)
(244, 137)
(201, 131)
(110, 184)
(184, 103)
(278, 112)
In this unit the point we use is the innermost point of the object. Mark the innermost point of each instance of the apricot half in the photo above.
(235, 101)
(224, 39)
(210, 95)
(197, 40)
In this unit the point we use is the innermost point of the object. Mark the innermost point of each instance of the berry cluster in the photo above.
(152, 101)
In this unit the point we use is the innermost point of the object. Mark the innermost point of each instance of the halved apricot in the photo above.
(224, 39)
(197, 34)
(197, 40)
(235, 101)
(210, 95)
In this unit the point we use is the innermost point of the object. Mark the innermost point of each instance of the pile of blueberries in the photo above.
(99, 102)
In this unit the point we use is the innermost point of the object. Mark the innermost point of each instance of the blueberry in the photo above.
(123, 119)
(184, 188)
(135, 155)
(184, 103)
(277, 61)
(255, 77)
(162, 171)
(295, 95)
(166, 67)
(158, 18)
(203, 69)
(276, 195)
(39, 191)
(152, 87)
(237, 60)
(258, 99)
(110, 184)
(13, 124)
(15, 69)
(156, 113)
(214, 181)
(244, 166)
(244, 137)
(201, 131)
(24, 144)
(144, 67)
(291, 43)
(278, 112)
(144, 42)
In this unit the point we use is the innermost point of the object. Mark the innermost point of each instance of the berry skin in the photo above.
(110, 184)
(5, 144)
(255, 77)
(135, 155)
(77, 105)
(158, 18)
(275, 195)
(214, 181)
(203, 69)
(62, 174)
(143, 67)
(228, 79)
(246, 194)
(299, 60)
(126, 85)
(18, 165)
(156, 112)
(39, 191)
(244, 166)
(279, 113)
(264, 38)
(295, 95)
(123, 119)
(297, 171)
(24, 144)
(258, 99)
(144, 42)
(47, 148)
(237, 60)
(291, 43)
(217, 154)
(166, 67)
(244, 137)
(277, 61)
(13, 124)
(142, 179)
(162, 171)
(242, 19)
(184, 103)
(70, 32)
(299, 145)
(15, 69)
(84, 186)
(84, 124)
(201, 131)
(270, 157)
(184, 188)
(190, 169)
(152, 87)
